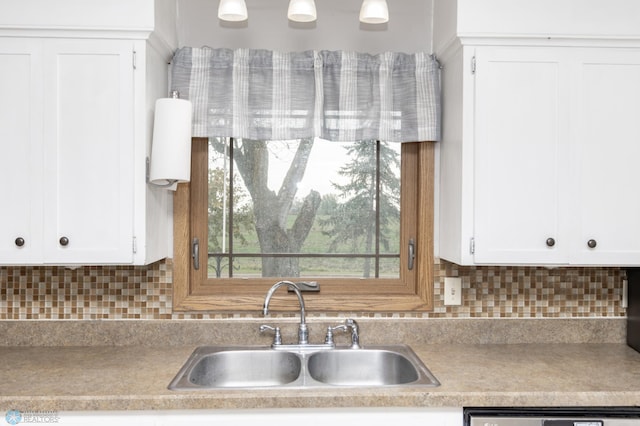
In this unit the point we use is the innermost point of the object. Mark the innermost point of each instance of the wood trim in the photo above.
(181, 248)
(408, 195)
(426, 191)
(192, 293)
(182, 237)
(198, 222)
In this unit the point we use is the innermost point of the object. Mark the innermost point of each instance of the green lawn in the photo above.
(316, 242)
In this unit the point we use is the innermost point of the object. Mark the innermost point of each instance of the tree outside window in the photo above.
(342, 214)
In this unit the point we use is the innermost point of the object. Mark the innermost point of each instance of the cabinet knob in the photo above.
(19, 241)
(64, 241)
(592, 243)
(551, 242)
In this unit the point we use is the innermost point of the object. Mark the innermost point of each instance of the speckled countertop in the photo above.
(519, 363)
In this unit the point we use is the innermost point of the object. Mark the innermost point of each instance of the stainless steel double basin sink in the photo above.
(220, 367)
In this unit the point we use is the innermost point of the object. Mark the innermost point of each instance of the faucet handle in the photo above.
(328, 340)
(355, 332)
(277, 337)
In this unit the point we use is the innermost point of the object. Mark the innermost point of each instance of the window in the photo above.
(261, 227)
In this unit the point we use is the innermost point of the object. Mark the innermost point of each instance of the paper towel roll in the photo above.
(171, 150)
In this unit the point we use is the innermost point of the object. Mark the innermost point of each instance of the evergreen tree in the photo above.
(353, 225)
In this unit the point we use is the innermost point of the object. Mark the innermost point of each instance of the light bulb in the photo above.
(232, 10)
(374, 12)
(302, 11)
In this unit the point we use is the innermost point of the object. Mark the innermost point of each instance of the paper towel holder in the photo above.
(170, 161)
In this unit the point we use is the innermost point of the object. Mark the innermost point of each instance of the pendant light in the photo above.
(374, 12)
(302, 11)
(232, 10)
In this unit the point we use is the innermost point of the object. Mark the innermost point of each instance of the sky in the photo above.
(324, 164)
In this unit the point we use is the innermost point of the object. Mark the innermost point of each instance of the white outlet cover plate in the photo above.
(452, 291)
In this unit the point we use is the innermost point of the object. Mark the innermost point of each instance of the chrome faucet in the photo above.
(303, 331)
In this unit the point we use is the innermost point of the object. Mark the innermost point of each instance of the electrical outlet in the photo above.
(452, 291)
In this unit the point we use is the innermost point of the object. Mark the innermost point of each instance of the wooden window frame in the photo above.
(192, 293)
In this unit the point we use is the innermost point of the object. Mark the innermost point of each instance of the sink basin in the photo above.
(223, 367)
(244, 367)
(365, 367)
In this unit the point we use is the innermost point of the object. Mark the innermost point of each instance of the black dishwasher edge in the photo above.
(605, 412)
(633, 308)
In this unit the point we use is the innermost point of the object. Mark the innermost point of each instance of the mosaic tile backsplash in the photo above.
(144, 292)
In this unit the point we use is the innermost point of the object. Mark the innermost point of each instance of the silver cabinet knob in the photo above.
(592, 243)
(550, 242)
(19, 241)
(64, 241)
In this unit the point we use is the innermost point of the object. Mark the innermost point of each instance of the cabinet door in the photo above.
(519, 183)
(88, 137)
(606, 156)
(21, 151)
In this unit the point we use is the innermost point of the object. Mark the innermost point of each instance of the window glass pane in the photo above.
(335, 207)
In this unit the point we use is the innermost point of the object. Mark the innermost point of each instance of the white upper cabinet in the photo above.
(21, 150)
(605, 148)
(75, 130)
(540, 142)
(89, 149)
(68, 143)
(519, 150)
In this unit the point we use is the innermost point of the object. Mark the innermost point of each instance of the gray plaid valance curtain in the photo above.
(338, 96)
